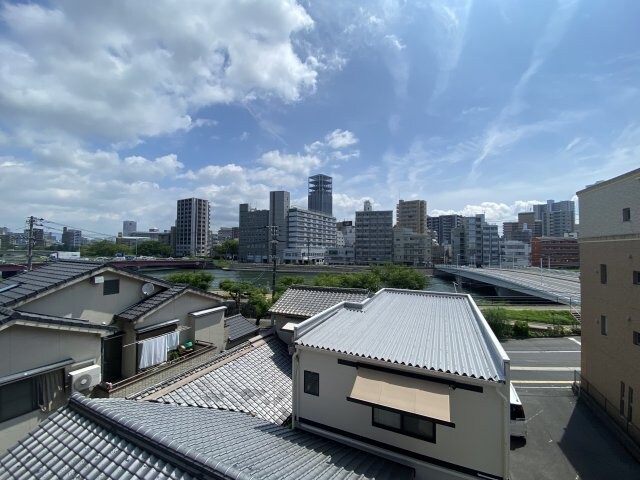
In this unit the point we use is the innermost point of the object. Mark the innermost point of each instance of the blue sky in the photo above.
(114, 110)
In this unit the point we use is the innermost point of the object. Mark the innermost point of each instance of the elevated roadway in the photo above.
(559, 287)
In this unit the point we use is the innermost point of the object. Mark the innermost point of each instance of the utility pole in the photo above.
(30, 244)
(273, 230)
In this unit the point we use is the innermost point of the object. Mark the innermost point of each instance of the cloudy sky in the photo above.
(114, 110)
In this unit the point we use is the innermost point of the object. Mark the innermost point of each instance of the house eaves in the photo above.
(10, 317)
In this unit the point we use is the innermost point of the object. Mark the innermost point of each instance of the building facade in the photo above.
(610, 292)
(515, 254)
(71, 239)
(320, 198)
(253, 233)
(555, 252)
(345, 234)
(412, 214)
(557, 218)
(309, 234)
(374, 236)
(128, 227)
(442, 226)
(279, 204)
(193, 219)
(410, 247)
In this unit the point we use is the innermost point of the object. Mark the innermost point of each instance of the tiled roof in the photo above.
(8, 315)
(43, 278)
(148, 304)
(306, 301)
(436, 331)
(256, 381)
(240, 327)
(114, 438)
(161, 298)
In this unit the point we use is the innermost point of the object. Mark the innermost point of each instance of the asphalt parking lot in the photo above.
(565, 440)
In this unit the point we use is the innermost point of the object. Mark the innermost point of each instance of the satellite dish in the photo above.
(83, 382)
(148, 288)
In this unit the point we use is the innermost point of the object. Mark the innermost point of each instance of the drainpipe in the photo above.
(296, 397)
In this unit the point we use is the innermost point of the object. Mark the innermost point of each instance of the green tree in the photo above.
(200, 280)
(154, 249)
(366, 280)
(400, 276)
(103, 248)
(228, 248)
(285, 282)
(497, 320)
(259, 304)
(237, 290)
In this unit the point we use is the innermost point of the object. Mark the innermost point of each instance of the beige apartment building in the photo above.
(412, 214)
(610, 279)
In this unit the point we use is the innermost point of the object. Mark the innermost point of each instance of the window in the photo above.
(636, 338)
(636, 277)
(603, 324)
(311, 383)
(24, 396)
(404, 423)
(603, 273)
(626, 214)
(111, 287)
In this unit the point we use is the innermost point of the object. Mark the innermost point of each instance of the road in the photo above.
(564, 439)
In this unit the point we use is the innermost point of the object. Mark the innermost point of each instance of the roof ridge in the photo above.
(162, 445)
(328, 289)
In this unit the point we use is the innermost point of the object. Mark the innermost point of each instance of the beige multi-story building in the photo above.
(412, 214)
(610, 279)
(193, 219)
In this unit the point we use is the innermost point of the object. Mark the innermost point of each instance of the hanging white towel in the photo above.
(153, 351)
(173, 340)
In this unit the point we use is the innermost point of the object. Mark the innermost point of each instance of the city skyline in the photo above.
(475, 107)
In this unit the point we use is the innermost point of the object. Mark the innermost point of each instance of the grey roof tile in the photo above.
(431, 330)
(257, 382)
(306, 301)
(240, 327)
(207, 442)
(146, 305)
(8, 315)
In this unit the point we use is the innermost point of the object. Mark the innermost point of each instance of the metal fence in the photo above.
(581, 386)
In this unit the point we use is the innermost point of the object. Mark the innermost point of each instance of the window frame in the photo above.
(636, 337)
(604, 328)
(111, 290)
(636, 277)
(603, 273)
(403, 430)
(626, 214)
(311, 383)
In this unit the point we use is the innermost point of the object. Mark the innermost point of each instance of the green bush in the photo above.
(497, 320)
(199, 280)
(521, 329)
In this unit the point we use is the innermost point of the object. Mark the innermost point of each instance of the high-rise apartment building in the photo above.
(374, 236)
(412, 214)
(411, 247)
(610, 292)
(253, 235)
(128, 227)
(309, 233)
(321, 194)
(528, 223)
(476, 242)
(441, 227)
(557, 218)
(71, 239)
(279, 204)
(193, 218)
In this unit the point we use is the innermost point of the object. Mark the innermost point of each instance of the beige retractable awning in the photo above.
(408, 394)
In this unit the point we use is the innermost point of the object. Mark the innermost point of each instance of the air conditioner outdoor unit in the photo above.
(85, 378)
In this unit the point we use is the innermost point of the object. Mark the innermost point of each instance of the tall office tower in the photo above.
(374, 236)
(412, 214)
(557, 218)
(367, 206)
(193, 218)
(610, 291)
(128, 227)
(71, 239)
(279, 204)
(320, 194)
(442, 226)
(528, 222)
(253, 235)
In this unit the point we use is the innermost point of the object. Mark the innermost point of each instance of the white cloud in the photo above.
(340, 139)
(142, 71)
(494, 212)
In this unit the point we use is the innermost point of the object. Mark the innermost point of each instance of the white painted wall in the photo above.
(477, 441)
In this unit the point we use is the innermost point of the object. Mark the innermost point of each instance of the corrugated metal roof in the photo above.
(257, 382)
(240, 327)
(84, 440)
(306, 301)
(431, 330)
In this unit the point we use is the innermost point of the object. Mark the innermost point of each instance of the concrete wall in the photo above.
(24, 348)
(280, 321)
(601, 207)
(210, 328)
(86, 300)
(476, 442)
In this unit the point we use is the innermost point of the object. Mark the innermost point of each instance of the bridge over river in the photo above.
(555, 286)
